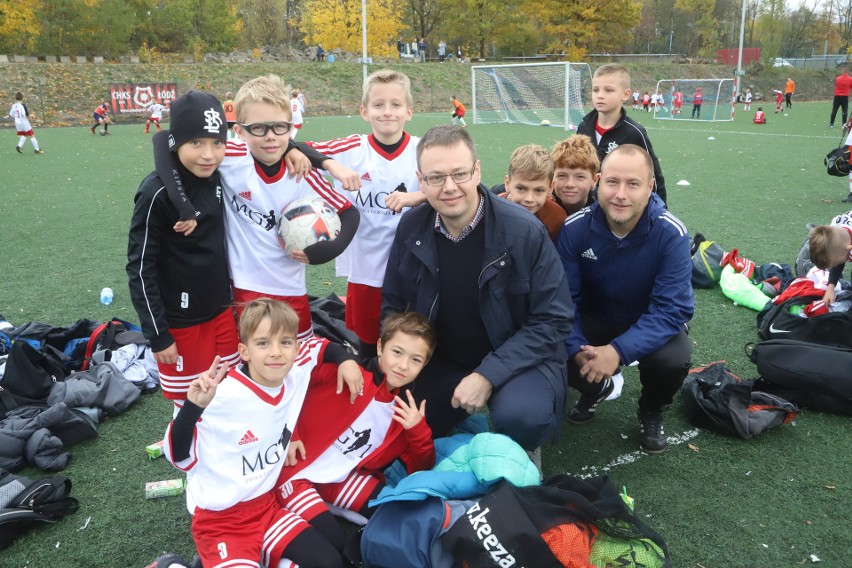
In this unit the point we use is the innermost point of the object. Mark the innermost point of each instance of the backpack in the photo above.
(24, 502)
(717, 400)
(706, 262)
(837, 161)
(807, 374)
(109, 336)
(776, 322)
(29, 376)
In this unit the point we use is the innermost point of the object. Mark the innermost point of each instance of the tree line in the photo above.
(484, 28)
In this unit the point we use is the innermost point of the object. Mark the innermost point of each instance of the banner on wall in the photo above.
(137, 97)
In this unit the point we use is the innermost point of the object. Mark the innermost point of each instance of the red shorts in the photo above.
(26, 132)
(298, 303)
(249, 531)
(197, 346)
(152, 119)
(308, 500)
(363, 311)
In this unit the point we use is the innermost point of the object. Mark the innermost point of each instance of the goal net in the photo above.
(715, 103)
(531, 93)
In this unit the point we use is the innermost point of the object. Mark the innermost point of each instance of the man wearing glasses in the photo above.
(488, 277)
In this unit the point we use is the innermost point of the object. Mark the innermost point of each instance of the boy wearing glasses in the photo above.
(387, 164)
(179, 283)
(258, 188)
(487, 276)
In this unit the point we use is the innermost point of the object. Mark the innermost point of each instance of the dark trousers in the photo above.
(788, 98)
(661, 373)
(840, 102)
(529, 408)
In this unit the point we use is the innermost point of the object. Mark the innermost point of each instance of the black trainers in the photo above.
(652, 439)
(847, 199)
(584, 408)
(18, 148)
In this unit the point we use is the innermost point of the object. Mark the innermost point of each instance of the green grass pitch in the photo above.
(719, 502)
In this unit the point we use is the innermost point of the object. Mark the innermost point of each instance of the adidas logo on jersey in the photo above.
(366, 176)
(248, 438)
(589, 253)
(246, 195)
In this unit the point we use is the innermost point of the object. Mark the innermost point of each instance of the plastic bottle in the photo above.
(106, 296)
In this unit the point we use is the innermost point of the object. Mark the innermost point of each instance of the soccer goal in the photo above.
(552, 94)
(717, 104)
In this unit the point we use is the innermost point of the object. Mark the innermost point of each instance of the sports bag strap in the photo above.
(59, 508)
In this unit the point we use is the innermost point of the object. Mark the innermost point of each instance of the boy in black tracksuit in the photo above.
(179, 281)
(608, 124)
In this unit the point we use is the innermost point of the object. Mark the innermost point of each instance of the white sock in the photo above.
(35, 143)
(463, 122)
(850, 182)
(22, 141)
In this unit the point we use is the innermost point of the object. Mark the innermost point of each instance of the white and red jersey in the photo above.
(365, 259)
(19, 113)
(253, 203)
(240, 442)
(156, 111)
(845, 220)
(298, 110)
(340, 438)
(677, 99)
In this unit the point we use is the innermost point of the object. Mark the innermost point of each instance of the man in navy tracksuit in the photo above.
(628, 267)
(485, 273)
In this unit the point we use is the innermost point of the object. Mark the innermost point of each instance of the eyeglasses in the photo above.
(262, 128)
(438, 180)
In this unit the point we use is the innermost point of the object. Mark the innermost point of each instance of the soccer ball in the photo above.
(305, 222)
(545, 122)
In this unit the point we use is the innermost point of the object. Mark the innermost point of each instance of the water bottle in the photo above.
(106, 296)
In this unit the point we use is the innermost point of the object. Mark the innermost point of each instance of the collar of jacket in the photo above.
(653, 210)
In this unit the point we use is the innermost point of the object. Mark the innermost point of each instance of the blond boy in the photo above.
(608, 125)
(830, 249)
(386, 162)
(529, 184)
(576, 166)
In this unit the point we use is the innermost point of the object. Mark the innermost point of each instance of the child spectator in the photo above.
(179, 284)
(101, 116)
(386, 161)
(344, 448)
(232, 437)
(748, 98)
(646, 101)
(458, 111)
(831, 248)
(20, 114)
(608, 125)
(298, 111)
(155, 114)
(529, 184)
(779, 100)
(697, 101)
(576, 166)
(760, 116)
(230, 113)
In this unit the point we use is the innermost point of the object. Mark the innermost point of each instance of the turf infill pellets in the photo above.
(165, 488)
(155, 450)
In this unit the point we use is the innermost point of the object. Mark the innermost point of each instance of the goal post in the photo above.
(717, 104)
(552, 94)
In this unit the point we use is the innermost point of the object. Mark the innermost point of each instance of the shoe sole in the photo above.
(653, 452)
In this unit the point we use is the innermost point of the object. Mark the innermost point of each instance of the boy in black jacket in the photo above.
(608, 124)
(179, 281)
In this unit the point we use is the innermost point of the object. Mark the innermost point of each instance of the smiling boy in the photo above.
(529, 184)
(608, 125)
(576, 166)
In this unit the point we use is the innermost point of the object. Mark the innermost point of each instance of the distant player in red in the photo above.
(101, 116)
(779, 100)
(155, 114)
(697, 100)
(646, 101)
(458, 111)
(759, 116)
(677, 103)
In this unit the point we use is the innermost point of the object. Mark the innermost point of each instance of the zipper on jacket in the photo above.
(484, 268)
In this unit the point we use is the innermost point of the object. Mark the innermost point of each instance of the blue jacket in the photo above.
(524, 299)
(643, 280)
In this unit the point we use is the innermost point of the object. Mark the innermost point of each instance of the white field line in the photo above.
(624, 459)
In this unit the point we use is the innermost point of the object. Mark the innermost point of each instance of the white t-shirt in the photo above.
(366, 258)
(253, 202)
(241, 440)
(19, 113)
(156, 110)
(298, 110)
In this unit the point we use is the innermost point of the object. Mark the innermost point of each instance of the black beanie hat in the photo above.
(196, 114)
